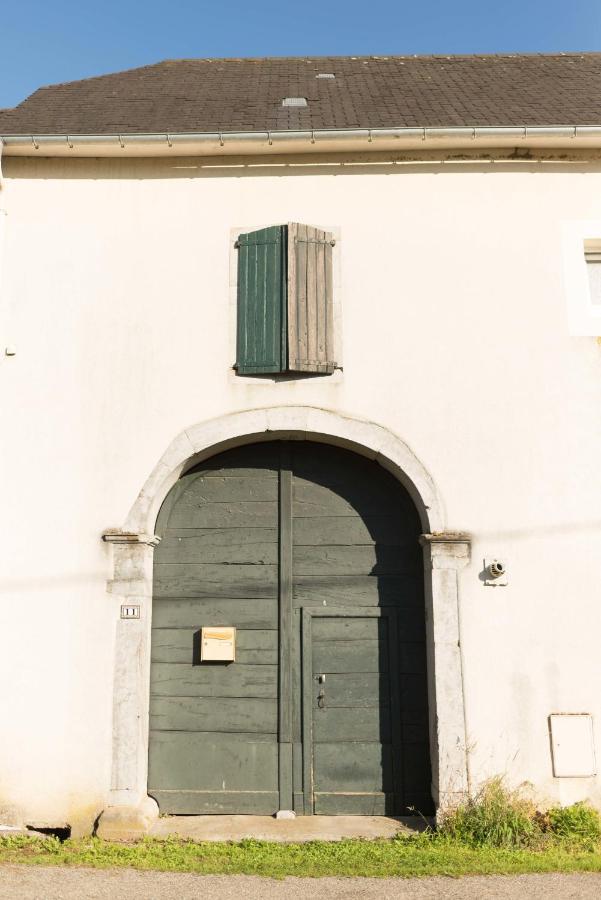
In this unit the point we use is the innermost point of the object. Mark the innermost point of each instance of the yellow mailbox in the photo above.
(218, 644)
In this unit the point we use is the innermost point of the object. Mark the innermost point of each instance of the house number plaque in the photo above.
(130, 612)
(218, 644)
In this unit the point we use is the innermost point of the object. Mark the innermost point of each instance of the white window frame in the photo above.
(578, 238)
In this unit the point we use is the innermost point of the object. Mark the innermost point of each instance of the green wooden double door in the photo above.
(311, 552)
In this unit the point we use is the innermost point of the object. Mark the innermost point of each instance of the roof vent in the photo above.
(325, 75)
(294, 101)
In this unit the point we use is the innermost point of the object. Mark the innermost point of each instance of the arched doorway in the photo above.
(311, 553)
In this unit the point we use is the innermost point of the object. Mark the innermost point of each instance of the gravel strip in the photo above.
(47, 883)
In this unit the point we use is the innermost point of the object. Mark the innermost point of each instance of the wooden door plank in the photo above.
(298, 797)
(358, 723)
(350, 656)
(213, 680)
(204, 488)
(328, 302)
(223, 537)
(320, 298)
(365, 766)
(316, 462)
(384, 530)
(247, 460)
(297, 722)
(395, 704)
(215, 581)
(313, 499)
(310, 299)
(308, 691)
(351, 690)
(198, 803)
(240, 513)
(416, 770)
(285, 601)
(187, 760)
(311, 356)
(301, 347)
(348, 628)
(359, 590)
(193, 549)
(293, 295)
(354, 804)
(414, 698)
(243, 612)
(416, 733)
(215, 714)
(356, 560)
(412, 657)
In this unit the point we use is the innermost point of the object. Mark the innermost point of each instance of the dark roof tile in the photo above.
(210, 95)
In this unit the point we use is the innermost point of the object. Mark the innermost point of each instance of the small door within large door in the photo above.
(352, 721)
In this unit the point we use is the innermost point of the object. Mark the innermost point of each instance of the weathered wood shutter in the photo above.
(261, 333)
(285, 303)
(310, 306)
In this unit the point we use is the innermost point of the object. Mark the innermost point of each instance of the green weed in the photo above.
(576, 822)
(494, 817)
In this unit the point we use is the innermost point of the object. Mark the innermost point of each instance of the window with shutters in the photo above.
(285, 312)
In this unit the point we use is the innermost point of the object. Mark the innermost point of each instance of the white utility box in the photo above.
(573, 746)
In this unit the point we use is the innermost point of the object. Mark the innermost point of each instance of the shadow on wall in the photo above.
(141, 168)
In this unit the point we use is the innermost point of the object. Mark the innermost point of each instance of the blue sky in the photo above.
(46, 41)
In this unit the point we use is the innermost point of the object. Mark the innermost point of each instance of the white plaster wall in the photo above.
(115, 294)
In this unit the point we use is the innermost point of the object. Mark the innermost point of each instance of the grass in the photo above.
(497, 817)
(498, 832)
(420, 855)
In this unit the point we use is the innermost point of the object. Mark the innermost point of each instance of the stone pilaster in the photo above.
(444, 557)
(130, 811)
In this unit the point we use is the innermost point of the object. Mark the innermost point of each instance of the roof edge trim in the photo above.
(205, 143)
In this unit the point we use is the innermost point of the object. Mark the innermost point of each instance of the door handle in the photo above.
(321, 697)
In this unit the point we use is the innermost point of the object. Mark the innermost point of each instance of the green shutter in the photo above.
(262, 318)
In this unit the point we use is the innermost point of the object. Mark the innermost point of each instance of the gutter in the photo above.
(316, 141)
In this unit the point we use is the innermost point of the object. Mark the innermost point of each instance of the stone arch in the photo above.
(130, 810)
(297, 422)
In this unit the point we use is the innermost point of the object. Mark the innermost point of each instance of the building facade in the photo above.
(402, 544)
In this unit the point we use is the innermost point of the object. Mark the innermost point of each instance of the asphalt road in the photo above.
(37, 883)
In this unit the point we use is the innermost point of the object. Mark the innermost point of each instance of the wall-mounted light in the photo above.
(495, 572)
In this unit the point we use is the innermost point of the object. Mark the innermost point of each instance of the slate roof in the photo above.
(211, 95)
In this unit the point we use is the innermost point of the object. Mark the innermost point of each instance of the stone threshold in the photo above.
(286, 831)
